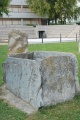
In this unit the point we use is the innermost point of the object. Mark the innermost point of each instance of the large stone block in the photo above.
(24, 80)
(43, 78)
(59, 76)
(57, 79)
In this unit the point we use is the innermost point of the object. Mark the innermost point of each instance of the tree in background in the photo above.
(41, 7)
(65, 9)
(77, 14)
(55, 9)
(4, 6)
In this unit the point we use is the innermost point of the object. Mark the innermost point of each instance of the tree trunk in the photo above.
(65, 21)
(55, 19)
(61, 21)
(48, 21)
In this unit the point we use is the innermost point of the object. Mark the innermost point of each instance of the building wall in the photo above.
(20, 14)
(18, 21)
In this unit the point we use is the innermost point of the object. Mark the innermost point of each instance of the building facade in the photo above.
(20, 14)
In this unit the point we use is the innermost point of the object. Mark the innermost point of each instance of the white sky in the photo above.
(78, 3)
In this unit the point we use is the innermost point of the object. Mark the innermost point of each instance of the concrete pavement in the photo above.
(47, 40)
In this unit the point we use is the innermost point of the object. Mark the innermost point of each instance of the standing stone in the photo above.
(18, 42)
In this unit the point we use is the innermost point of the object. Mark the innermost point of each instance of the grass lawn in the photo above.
(65, 111)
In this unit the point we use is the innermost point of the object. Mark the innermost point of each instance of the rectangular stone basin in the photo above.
(42, 78)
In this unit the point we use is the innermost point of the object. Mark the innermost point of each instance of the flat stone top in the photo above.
(44, 54)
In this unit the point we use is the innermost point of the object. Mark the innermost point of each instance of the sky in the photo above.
(78, 4)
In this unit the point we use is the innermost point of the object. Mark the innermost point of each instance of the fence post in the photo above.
(42, 37)
(60, 37)
(76, 37)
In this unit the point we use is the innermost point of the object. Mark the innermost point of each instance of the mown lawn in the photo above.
(66, 111)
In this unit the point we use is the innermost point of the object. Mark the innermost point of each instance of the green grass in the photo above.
(3, 55)
(64, 47)
(65, 111)
(9, 113)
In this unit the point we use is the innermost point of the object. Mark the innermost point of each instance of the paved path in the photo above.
(47, 40)
(50, 40)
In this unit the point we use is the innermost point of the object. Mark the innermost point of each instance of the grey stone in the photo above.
(18, 42)
(42, 78)
(4, 70)
(58, 83)
(24, 80)
(39, 56)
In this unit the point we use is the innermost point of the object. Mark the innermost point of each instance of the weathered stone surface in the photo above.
(58, 83)
(43, 78)
(4, 70)
(24, 80)
(40, 56)
(18, 42)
